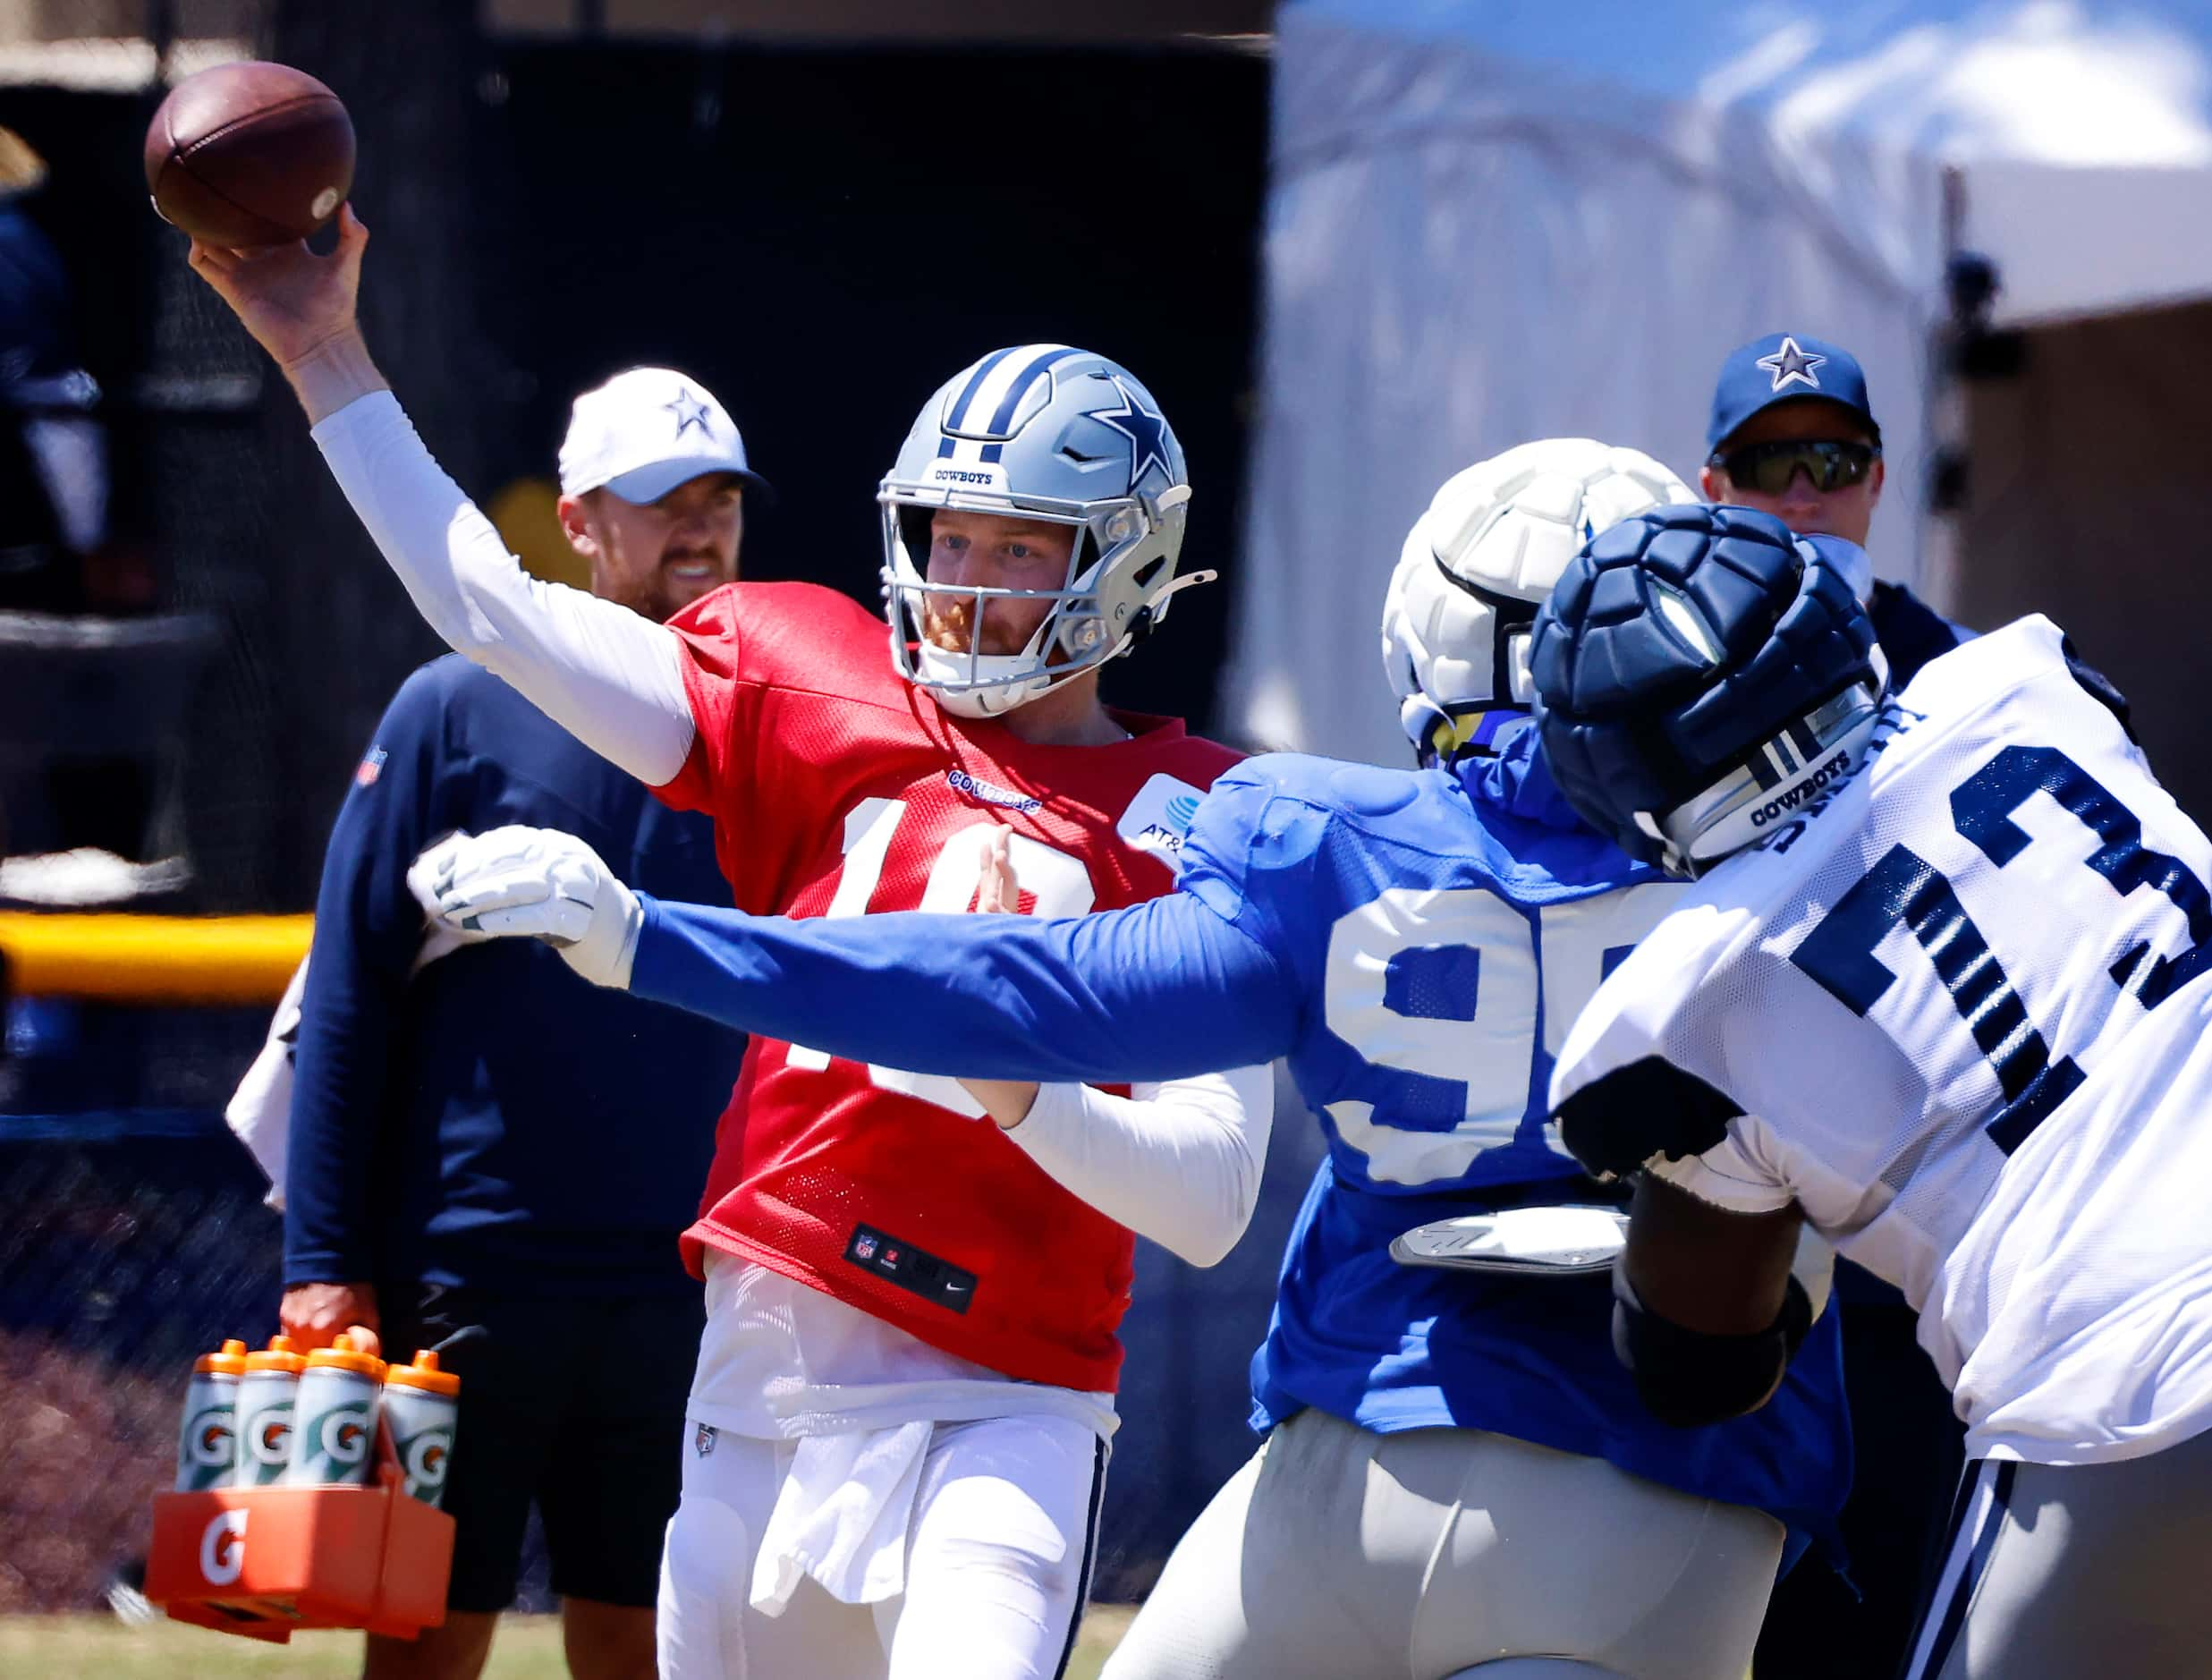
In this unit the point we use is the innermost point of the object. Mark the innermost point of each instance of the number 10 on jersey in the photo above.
(1058, 884)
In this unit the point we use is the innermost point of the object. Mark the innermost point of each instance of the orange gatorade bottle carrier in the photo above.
(335, 1539)
(420, 1405)
(265, 1393)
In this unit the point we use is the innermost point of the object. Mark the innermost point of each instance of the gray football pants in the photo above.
(1341, 1554)
(2092, 1569)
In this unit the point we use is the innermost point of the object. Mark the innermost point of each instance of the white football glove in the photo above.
(539, 882)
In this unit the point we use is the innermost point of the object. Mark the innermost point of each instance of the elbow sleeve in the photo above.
(1687, 1378)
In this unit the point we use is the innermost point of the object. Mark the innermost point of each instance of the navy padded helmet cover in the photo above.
(1634, 716)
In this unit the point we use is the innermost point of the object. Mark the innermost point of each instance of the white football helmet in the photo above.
(1476, 566)
(1050, 433)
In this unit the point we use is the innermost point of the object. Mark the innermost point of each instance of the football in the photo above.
(249, 154)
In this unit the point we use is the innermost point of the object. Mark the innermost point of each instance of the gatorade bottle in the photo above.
(206, 1454)
(266, 1395)
(421, 1403)
(334, 1420)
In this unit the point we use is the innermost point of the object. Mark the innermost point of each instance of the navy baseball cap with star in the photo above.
(1783, 367)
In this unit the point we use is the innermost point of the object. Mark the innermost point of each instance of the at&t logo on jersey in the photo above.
(1159, 819)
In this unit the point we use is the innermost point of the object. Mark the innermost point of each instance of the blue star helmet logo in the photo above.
(689, 411)
(1790, 365)
(1146, 433)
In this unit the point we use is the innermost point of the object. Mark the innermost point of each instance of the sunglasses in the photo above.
(1768, 468)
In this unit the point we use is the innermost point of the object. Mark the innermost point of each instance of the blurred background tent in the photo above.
(1492, 220)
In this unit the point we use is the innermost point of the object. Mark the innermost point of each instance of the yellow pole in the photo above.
(153, 959)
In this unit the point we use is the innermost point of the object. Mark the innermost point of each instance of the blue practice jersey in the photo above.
(1416, 945)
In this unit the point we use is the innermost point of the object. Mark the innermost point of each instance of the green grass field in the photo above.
(528, 1648)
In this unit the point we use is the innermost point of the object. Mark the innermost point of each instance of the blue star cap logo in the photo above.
(1146, 433)
(689, 411)
(1793, 366)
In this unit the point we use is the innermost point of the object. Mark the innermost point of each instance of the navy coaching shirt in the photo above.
(493, 1121)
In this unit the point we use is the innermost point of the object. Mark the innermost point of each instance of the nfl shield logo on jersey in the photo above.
(370, 767)
(703, 1439)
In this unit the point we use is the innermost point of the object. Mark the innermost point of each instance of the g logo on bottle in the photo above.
(207, 1438)
(427, 1457)
(270, 1443)
(344, 1435)
(222, 1548)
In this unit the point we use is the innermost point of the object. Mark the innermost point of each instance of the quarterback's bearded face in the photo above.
(992, 551)
(657, 557)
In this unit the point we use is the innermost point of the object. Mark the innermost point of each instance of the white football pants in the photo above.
(1439, 1552)
(999, 1547)
(2054, 1572)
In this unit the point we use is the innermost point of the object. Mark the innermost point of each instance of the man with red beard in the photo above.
(899, 1422)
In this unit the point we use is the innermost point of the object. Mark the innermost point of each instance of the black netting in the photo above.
(123, 1255)
(543, 211)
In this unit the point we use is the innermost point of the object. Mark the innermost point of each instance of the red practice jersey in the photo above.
(837, 788)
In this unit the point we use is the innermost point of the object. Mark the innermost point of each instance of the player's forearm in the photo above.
(612, 678)
(337, 371)
(1179, 1163)
(1161, 991)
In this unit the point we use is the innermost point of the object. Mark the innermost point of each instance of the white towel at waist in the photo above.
(841, 1511)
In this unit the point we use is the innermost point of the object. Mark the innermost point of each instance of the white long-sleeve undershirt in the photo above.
(1178, 1162)
(611, 677)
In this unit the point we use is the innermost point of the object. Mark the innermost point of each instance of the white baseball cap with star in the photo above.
(646, 432)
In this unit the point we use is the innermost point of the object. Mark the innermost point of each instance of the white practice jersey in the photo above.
(1957, 1008)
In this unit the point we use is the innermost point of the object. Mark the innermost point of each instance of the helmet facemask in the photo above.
(1479, 726)
(1475, 567)
(1084, 628)
(1780, 778)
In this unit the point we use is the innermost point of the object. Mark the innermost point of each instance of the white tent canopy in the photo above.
(1493, 220)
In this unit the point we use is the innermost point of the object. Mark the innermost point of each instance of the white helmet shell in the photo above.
(1476, 566)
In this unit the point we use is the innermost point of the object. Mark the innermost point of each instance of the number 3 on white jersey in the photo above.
(1484, 1036)
(1058, 883)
